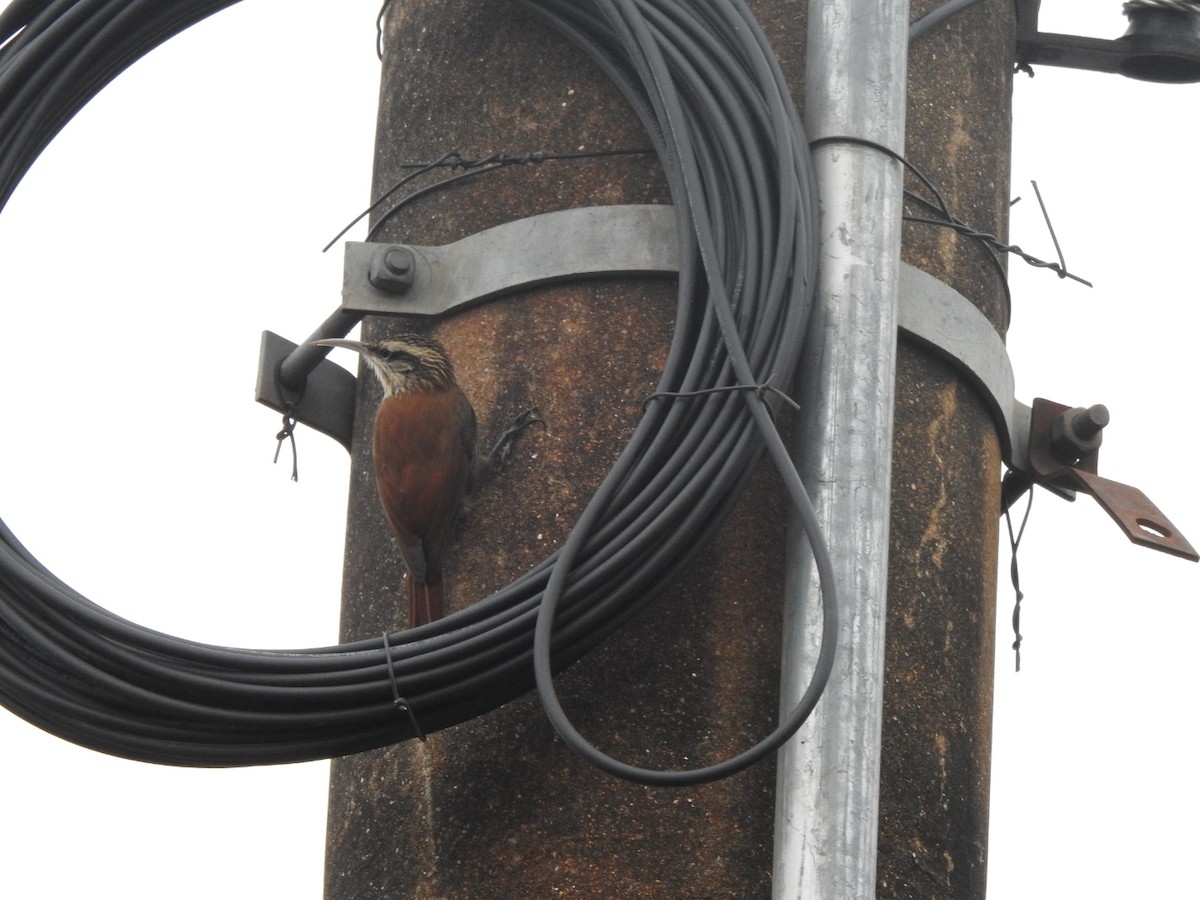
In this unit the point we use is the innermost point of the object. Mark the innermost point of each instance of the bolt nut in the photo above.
(1078, 432)
(392, 268)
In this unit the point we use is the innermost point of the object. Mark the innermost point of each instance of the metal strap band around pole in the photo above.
(594, 242)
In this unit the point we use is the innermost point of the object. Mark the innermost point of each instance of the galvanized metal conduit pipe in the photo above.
(827, 795)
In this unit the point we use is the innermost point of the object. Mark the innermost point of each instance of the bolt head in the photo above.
(392, 268)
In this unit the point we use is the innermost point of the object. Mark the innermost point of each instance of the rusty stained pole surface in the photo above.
(498, 807)
(937, 706)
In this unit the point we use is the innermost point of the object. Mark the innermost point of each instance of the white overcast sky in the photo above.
(183, 211)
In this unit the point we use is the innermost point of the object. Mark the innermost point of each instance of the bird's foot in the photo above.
(503, 446)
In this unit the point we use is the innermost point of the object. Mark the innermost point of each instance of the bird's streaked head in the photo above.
(406, 362)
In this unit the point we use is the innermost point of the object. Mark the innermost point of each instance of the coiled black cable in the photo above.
(704, 81)
(59, 54)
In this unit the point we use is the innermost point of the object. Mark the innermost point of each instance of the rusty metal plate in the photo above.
(1142, 521)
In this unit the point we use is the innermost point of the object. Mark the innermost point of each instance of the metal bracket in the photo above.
(324, 400)
(1067, 471)
(394, 279)
(397, 279)
(556, 246)
(943, 320)
(1160, 46)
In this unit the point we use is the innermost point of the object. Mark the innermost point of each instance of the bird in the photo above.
(425, 455)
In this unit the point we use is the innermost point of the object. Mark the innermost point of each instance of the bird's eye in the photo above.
(385, 354)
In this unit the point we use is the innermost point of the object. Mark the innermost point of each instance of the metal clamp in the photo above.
(556, 246)
(395, 279)
(944, 321)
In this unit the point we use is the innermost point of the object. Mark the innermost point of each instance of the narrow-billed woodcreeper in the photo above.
(424, 448)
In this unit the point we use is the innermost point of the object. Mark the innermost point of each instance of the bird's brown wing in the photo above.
(424, 450)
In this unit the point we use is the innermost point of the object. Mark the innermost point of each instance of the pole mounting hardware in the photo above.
(1050, 445)
(1064, 448)
(1162, 44)
(543, 249)
(392, 268)
(397, 279)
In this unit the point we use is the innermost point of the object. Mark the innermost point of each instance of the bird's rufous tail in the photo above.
(424, 601)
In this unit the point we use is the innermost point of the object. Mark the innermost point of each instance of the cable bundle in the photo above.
(60, 53)
(702, 78)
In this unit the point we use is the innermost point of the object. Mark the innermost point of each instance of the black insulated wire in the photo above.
(705, 83)
(936, 17)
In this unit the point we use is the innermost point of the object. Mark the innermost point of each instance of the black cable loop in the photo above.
(688, 184)
(705, 84)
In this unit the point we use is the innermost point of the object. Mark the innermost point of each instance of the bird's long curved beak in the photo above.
(356, 346)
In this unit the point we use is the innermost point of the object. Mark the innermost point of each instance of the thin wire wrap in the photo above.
(703, 80)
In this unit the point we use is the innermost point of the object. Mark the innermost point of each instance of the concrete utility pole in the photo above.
(498, 807)
(937, 698)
